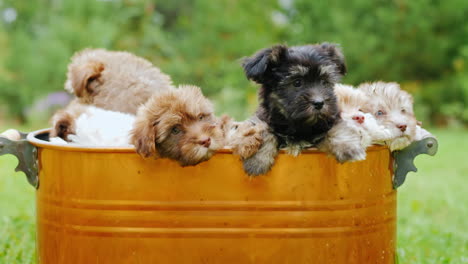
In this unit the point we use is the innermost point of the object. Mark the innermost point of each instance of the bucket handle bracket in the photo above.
(403, 160)
(26, 155)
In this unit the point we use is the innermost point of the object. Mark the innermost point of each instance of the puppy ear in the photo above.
(225, 120)
(82, 76)
(255, 67)
(143, 137)
(336, 56)
(63, 125)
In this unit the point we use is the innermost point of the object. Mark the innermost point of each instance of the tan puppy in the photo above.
(356, 130)
(111, 80)
(393, 109)
(245, 138)
(114, 80)
(178, 124)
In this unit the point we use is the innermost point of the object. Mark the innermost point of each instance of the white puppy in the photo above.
(393, 109)
(96, 127)
(356, 130)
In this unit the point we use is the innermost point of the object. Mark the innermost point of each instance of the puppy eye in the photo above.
(403, 111)
(297, 83)
(175, 130)
(379, 113)
(236, 126)
(201, 117)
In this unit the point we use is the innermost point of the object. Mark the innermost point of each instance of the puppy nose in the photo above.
(359, 118)
(317, 104)
(402, 127)
(205, 142)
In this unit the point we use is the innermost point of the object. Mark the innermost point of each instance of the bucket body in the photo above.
(110, 206)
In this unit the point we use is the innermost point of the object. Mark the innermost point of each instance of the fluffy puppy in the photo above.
(114, 80)
(296, 95)
(355, 130)
(178, 124)
(111, 80)
(244, 138)
(393, 109)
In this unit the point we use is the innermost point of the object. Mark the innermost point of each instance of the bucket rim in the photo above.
(32, 138)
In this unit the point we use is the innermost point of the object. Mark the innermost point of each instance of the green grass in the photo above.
(433, 205)
(432, 208)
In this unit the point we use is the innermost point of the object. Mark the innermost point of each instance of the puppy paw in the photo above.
(382, 134)
(293, 150)
(246, 151)
(247, 144)
(350, 154)
(262, 161)
(399, 143)
(253, 167)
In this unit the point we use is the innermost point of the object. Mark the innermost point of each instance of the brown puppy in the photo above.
(245, 138)
(114, 80)
(178, 124)
(111, 80)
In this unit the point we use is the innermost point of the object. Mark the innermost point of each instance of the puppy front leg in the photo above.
(262, 161)
(399, 143)
(343, 142)
(377, 132)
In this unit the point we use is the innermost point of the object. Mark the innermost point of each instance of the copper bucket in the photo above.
(98, 206)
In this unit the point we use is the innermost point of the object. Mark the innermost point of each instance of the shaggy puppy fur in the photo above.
(244, 138)
(114, 80)
(296, 95)
(111, 80)
(178, 124)
(393, 109)
(356, 130)
(96, 127)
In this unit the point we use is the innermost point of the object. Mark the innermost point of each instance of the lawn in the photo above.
(433, 207)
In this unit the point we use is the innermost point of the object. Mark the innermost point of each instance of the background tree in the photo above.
(419, 43)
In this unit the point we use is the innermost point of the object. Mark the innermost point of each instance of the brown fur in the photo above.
(63, 121)
(245, 138)
(111, 80)
(178, 124)
(114, 80)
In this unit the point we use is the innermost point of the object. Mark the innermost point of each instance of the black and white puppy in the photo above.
(297, 99)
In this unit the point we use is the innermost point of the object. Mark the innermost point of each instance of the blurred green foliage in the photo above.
(423, 44)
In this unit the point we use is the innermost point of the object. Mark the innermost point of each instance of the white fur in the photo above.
(422, 133)
(396, 107)
(370, 131)
(348, 139)
(96, 127)
(57, 141)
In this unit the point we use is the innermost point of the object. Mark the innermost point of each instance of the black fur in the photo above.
(296, 82)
